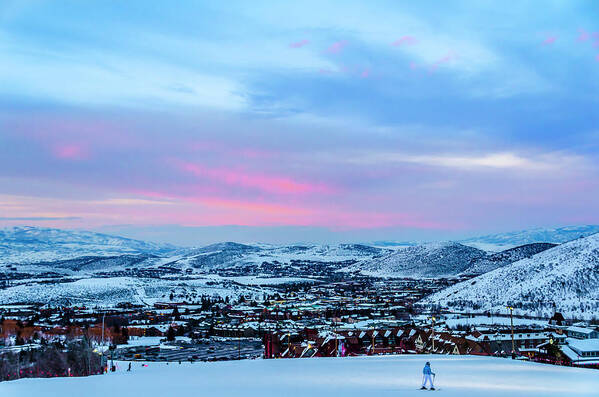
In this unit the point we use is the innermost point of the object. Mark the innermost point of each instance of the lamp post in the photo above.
(511, 309)
(373, 330)
(103, 317)
(103, 352)
(433, 331)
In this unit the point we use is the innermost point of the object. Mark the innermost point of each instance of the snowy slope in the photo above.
(456, 376)
(110, 291)
(566, 276)
(503, 241)
(35, 244)
(230, 254)
(427, 260)
(499, 259)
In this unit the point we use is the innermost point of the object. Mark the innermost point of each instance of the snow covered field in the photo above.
(348, 377)
(110, 291)
(478, 321)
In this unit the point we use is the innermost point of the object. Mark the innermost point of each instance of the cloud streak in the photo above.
(299, 44)
(262, 182)
(337, 47)
(404, 40)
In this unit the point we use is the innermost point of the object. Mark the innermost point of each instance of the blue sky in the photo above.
(393, 119)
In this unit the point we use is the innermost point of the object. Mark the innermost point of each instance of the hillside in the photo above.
(398, 375)
(226, 255)
(427, 260)
(503, 241)
(35, 244)
(564, 278)
(499, 259)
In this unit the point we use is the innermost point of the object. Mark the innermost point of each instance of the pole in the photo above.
(433, 332)
(512, 326)
(373, 340)
(103, 350)
(336, 340)
(103, 316)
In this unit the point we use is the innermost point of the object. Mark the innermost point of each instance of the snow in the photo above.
(503, 241)
(580, 330)
(151, 340)
(584, 345)
(24, 244)
(566, 275)
(261, 280)
(426, 260)
(466, 376)
(112, 290)
(484, 320)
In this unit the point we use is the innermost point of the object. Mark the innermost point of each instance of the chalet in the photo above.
(582, 332)
(582, 352)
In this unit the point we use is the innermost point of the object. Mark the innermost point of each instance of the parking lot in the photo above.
(212, 350)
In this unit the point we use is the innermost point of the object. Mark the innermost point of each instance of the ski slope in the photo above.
(320, 377)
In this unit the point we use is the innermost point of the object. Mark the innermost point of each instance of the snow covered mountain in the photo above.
(563, 278)
(230, 254)
(427, 260)
(499, 259)
(35, 244)
(503, 241)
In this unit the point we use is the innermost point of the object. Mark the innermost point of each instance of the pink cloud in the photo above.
(70, 152)
(299, 44)
(404, 40)
(549, 40)
(337, 47)
(222, 210)
(583, 36)
(365, 73)
(265, 183)
(450, 56)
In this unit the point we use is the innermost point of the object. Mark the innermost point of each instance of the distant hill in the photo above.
(426, 260)
(503, 241)
(499, 259)
(563, 278)
(36, 244)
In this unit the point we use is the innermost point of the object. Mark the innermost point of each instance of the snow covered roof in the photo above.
(580, 330)
(583, 345)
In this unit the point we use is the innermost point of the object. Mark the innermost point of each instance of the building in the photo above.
(582, 332)
(582, 352)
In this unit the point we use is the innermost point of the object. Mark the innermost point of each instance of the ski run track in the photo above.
(356, 376)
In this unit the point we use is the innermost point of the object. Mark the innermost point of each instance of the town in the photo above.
(359, 316)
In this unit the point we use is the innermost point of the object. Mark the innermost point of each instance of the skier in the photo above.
(129, 368)
(426, 371)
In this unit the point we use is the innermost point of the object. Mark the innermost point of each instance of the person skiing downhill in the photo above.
(426, 372)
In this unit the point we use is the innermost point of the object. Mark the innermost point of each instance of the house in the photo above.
(582, 332)
(557, 319)
(582, 352)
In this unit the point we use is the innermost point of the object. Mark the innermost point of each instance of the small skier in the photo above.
(129, 367)
(426, 372)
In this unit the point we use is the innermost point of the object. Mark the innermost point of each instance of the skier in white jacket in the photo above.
(427, 376)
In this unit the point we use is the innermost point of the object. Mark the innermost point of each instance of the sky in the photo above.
(309, 120)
